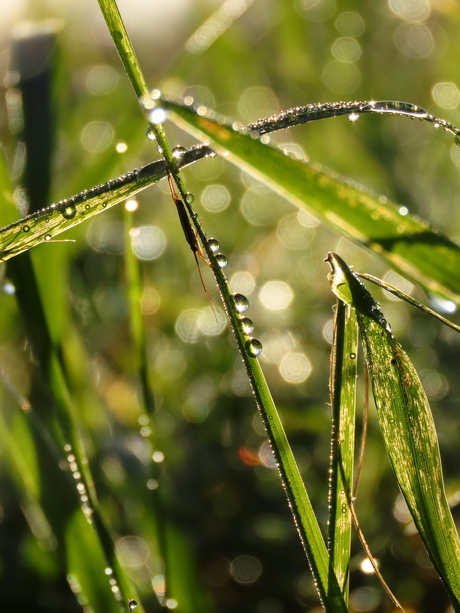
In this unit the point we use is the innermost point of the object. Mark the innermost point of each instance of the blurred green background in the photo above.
(230, 538)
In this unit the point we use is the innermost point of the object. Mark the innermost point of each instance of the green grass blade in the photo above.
(407, 242)
(305, 520)
(44, 225)
(120, 37)
(403, 296)
(408, 429)
(133, 69)
(343, 400)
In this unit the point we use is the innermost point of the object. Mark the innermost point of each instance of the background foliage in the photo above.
(230, 536)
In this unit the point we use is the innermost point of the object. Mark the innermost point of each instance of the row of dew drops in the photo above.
(253, 346)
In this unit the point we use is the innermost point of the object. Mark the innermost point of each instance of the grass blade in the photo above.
(44, 225)
(343, 399)
(403, 296)
(407, 242)
(407, 427)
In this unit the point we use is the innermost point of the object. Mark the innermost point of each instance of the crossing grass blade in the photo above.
(408, 243)
(44, 225)
(407, 427)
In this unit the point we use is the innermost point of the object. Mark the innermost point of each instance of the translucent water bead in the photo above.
(214, 245)
(150, 134)
(247, 325)
(178, 152)
(222, 260)
(241, 303)
(254, 347)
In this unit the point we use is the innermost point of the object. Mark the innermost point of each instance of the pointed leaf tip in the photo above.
(349, 289)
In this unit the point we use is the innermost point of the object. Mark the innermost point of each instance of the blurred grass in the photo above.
(223, 501)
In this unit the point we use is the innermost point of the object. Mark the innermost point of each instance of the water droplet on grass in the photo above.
(214, 245)
(254, 347)
(178, 152)
(190, 198)
(222, 260)
(402, 108)
(69, 211)
(241, 303)
(25, 228)
(150, 134)
(353, 117)
(247, 325)
(132, 604)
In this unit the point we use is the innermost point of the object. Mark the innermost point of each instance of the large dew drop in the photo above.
(222, 260)
(254, 347)
(402, 108)
(241, 303)
(214, 245)
(150, 134)
(178, 152)
(247, 325)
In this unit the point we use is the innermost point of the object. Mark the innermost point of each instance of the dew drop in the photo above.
(211, 154)
(247, 325)
(254, 347)
(352, 356)
(150, 134)
(214, 245)
(222, 260)
(353, 117)
(402, 108)
(190, 198)
(132, 604)
(178, 152)
(241, 303)
(457, 139)
(26, 228)
(69, 211)
(48, 237)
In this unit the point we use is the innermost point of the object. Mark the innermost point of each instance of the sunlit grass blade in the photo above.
(327, 585)
(305, 520)
(133, 69)
(44, 225)
(408, 428)
(120, 37)
(344, 358)
(407, 242)
(403, 296)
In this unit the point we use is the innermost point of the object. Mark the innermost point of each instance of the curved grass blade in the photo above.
(313, 112)
(407, 242)
(343, 400)
(44, 225)
(403, 296)
(407, 427)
